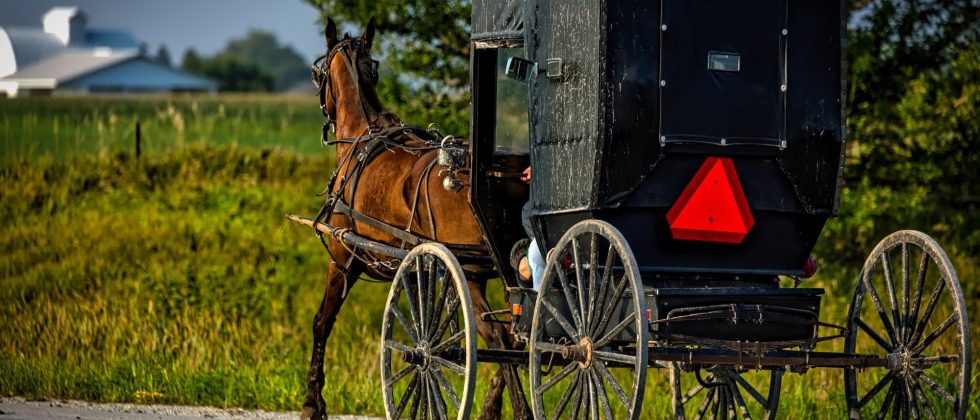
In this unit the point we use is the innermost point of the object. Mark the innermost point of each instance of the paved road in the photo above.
(20, 409)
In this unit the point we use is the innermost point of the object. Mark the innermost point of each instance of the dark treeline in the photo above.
(255, 63)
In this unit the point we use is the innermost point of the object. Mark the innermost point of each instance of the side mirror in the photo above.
(520, 69)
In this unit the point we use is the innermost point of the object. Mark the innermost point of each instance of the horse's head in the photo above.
(345, 78)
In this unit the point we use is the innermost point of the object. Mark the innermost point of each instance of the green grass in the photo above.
(61, 127)
(175, 279)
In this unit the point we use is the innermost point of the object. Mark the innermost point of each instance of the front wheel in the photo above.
(908, 309)
(589, 333)
(428, 338)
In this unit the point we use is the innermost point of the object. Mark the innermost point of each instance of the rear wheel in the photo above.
(724, 392)
(428, 338)
(588, 342)
(908, 308)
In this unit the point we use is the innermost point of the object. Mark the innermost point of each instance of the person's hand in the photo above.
(526, 175)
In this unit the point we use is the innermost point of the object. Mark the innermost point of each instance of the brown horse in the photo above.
(386, 190)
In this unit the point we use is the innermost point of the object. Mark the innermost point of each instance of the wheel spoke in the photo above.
(883, 411)
(617, 389)
(444, 383)
(603, 291)
(905, 291)
(566, 397)
(885, 380)
(743, 410)
(874, 335)
(615, 331)
(579, 395)
(450, 316)
(554, 379)
(934, 334)
(417, 401)
(615, 357)
(567, 291)
(917, 298)
(878, 306)
(557, 316)
(449, 365)
(593, 396)
(436, 314)
(399, 375)
(455, 338)
(593, 284)
(403, 279)
(579, 287)
(429, 398)
(406, 396)
(603, 398)
(690, 394)
(924, 321)
(886, 264)
(751, 389)
(405, 325)
(938, 389)
(440, 403)
(925, 361)
(926, 405)
(607, 314)
(703, 409)
(422, 291)
(398, 346)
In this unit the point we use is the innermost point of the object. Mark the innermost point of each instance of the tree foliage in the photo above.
(232, 74)
(424, 51)
(256, 62)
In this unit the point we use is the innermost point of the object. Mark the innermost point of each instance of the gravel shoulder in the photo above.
(16, 408)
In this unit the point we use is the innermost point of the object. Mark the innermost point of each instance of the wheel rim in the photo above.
(724, 392)
(596, 365)
(428, 344)
(907, 307)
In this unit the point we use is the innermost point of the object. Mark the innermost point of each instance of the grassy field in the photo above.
(175, 279)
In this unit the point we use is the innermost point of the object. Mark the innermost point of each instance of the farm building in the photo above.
(64, 56)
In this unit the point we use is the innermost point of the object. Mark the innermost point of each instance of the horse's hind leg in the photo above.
(333, 297)
(496, 336)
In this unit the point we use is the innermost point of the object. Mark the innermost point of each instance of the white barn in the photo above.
(64, 56)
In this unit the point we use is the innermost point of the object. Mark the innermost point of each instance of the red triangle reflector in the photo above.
(712, 207)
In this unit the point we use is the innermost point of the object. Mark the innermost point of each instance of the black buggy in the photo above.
(686, 155)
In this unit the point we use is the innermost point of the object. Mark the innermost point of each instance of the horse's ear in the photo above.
(330, 32)
(369, 32)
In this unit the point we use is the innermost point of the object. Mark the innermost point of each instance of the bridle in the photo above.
(352, 50)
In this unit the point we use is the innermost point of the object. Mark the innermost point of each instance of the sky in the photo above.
(205, 25)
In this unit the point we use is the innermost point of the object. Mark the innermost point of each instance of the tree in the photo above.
(424, 49)
(191, 62)
(163, 56)
(262, 50)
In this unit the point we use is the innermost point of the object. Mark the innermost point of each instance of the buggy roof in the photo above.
(498, 20)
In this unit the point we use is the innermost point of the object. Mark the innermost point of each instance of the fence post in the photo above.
(138, 141)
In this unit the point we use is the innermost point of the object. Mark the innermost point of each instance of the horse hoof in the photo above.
(311, 413)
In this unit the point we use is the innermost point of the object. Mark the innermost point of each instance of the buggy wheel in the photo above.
(908, 308)
(428, 338)
(725, 393)
(589, 332)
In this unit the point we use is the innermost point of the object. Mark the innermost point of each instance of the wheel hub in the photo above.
(581, 352)
(420, 356)
(900, 361)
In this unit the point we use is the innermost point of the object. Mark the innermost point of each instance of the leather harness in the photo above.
(362, 151)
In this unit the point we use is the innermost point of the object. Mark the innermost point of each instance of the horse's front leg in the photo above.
(333, 298)
(497, 336)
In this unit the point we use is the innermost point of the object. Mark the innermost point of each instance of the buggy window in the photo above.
(512, 121)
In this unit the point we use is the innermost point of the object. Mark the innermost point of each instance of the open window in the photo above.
(500, 149)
